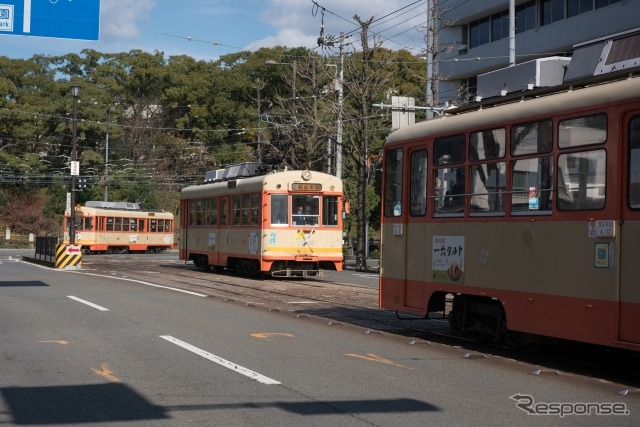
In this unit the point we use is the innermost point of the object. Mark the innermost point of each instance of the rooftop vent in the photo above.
(529, 75)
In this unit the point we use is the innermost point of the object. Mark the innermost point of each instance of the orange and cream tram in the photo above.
(107, 227)
(286, 223)
(524, 211)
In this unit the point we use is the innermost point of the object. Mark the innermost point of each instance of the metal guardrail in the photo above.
(46, 249)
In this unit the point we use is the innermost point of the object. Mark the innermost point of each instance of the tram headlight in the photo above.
(306, 175)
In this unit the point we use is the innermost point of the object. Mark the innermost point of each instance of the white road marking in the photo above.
(366, 275)
(147, 284)
(220, 361)
(90, 304)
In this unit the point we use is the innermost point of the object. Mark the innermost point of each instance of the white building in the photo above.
(475, 37)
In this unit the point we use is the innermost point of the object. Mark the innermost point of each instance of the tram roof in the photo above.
(521, 107)
(271, 181)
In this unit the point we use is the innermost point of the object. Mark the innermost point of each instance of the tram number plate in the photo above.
(397, 229)
(601, 228)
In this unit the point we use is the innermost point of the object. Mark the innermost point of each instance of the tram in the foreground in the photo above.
(524, 211)
(286, 223)
(107, 227)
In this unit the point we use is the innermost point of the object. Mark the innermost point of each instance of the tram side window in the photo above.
(279, 209)
(133, 224)
(141, 225)
(532, 138)
(118, 225)
(531, 178)
(393, 183)
(582, 180)
(418, 183)
(634, 164)
(531, 185)
(167, 225)
(192, 212)
(198, 212)
(255, 209)
(110, 221)
(449, 182)
(488, 176)
(246, 209)
(84, 224)
(214, 211)
(582, 175)
(582, 131)
(206, 206)
(153, 225)
(125, 224)
(235, 210)
(223, 211)
(449, 190)
(330, 205)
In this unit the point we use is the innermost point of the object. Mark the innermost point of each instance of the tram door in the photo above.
(630, 237)
(393, 248)
(417, 242)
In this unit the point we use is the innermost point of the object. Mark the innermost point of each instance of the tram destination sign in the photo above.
(65, 19)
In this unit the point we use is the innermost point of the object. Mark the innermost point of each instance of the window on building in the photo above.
(576, 7)
(479, 32)
(551, 11)
(526, 17)
(500, 25)
(605, 3)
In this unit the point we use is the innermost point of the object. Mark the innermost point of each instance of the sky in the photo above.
(207, 29)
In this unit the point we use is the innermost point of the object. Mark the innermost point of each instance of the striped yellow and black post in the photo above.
(68, 257)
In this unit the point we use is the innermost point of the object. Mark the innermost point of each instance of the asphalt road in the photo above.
(97, 347)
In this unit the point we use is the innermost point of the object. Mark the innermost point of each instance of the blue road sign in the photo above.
(65, 19)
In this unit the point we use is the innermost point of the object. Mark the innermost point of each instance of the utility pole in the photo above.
(75, 92)
(340, 84)
(431, 42)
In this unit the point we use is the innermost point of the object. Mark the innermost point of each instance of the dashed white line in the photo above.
(220, 361)
(90, 304)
